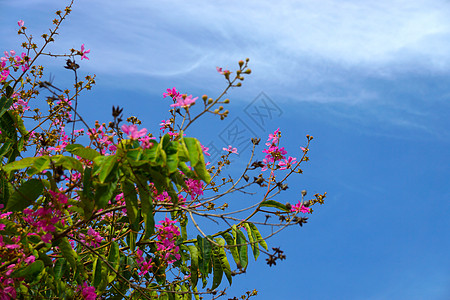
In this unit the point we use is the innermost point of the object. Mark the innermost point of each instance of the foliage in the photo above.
(105, 211)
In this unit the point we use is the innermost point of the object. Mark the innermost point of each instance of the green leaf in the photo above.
(217, 267)
(68, 252)
(232, 247)
(259, 238)
(104, 193)
(131, 201)
(40, 164)
(68, 163)
(194, 264)
(6, 147)
(20, 164)
(107, 165)
(147, 206)
(223, 259)
(27, 193)
(81, 151)
(131, 240)
(205, 248)
(113, 259)
(252, 239)
(171, 150)
(30, 271)
(193, 150)
(6, 189)
(60, 268)
(273, 203)
(5, 104)
(97, 275)
(242, 249)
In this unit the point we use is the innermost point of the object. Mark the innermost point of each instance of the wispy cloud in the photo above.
(321, 51)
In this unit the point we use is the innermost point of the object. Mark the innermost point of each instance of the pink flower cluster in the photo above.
(16, 62)
(87, 291)
(105, 140)
(276, 154)
(180, 100)
(230, 150)
(167, 236)
(43, 221)
(299, 207)
(195, 187)
(92, 239)
(140, 135)
(144, 265)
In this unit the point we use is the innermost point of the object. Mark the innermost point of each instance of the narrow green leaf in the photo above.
(68, 252)
(259, 238)
(131, 201)
(194, 264)
(27, 193)
(97, 275)
(113, 259)
(205, 248)
(273, 203)
(243, 255)
(5, 104)
(217, 267)
(223, 259)
(146, 206)
(60, 268)
(252, 239)
(232, 247)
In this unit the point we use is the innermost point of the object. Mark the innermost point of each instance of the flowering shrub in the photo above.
(110, 218)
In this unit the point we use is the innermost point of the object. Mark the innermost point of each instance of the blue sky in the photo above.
(369, 80)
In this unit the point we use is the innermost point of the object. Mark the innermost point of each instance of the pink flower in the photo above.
(83, 53)
(224, 72)
(287, 163)
(205, 150)
(133, 132)
(88, 292)
(46, 238)
(230, 150)
(184, 101)
(300, 208)
(30, 259)
(20, 23)
(164, 124)
(273, 138)
(171, 93)
(4, 74)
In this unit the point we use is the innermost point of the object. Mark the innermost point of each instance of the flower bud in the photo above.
(238, 84)
(204, 97)
(210, 100)
(220, 108)
(226, 101)
(248, 71)
(241, 63)
(247, 59)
